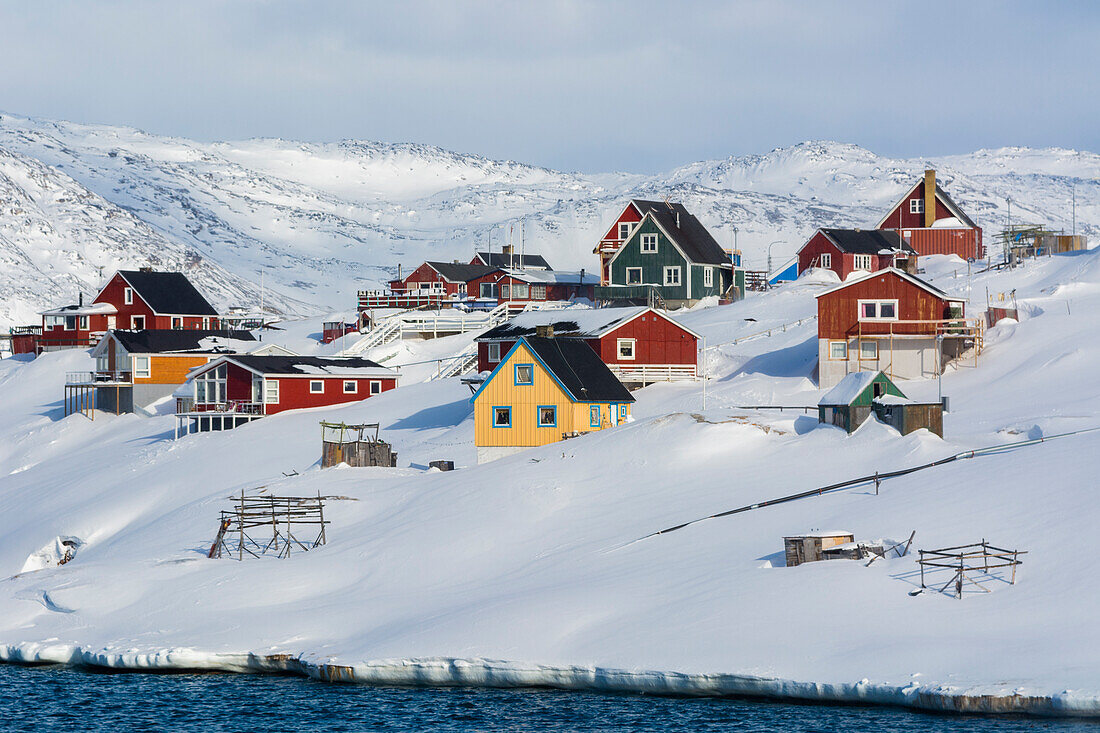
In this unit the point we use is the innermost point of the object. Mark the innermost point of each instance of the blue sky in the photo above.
(594, 86)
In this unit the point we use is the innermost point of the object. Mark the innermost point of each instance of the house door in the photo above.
(111, 322)
(614, 414)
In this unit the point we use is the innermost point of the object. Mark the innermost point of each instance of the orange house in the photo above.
(134, 369)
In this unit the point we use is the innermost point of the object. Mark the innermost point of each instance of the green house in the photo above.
(851, 401)
(671, 252)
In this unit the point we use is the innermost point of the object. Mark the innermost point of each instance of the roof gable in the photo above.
(856, 389)
(941, 195)
(166, 341)
(573, 365)
(916, 281)
(298, 366)
(166, 293)
(692, 238)
(573, 323)
(500, 259)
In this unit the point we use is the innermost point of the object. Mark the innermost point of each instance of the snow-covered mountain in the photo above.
(324, 220)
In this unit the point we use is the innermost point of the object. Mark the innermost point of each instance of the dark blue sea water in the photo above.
(54, 699)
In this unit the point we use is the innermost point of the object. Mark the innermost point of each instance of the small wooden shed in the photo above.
(808, 547)
(355, 446)
(851, 401)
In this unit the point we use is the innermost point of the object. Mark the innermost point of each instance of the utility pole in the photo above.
(703, 367)
(1074, 210)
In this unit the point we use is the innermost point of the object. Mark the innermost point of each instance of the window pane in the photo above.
(886, 310)
(838, 350)
(548, 416)
(868, 310)
(868, 349)
(502, 416)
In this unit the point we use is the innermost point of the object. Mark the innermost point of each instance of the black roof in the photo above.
(579, 369)
(866, 241)
(168, 293)
(950, 204)
(459, 272)
(156, 341)
(499, 259)
(691, 236)
(292, 364)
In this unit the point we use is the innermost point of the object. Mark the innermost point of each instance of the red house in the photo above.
(845, 251)
(889, 321)
(337, 325)
(234, 389)
(619, 232)
(929, 220)
(640, 345)
(133, 300)
(523, 286)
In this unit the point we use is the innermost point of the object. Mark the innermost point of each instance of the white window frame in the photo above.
(520, 291)
(492, 351)
(625, 227)
(832, 350)
(670, 269)
(863, 343)
(866, 260)
(877, 318)
(538, 292)
(177, 323)
(708, 277)
(461, 290)
(82, 323)
(134, 323)
(205, 323)
(505, 291)
(375, 386)
(127, 296)
(316, 386)
(916, 206)
(352, 384)
(631, 344)
(827, 259)
(142, 367)
(487, 290)
(630, 270)
(649, 244)
(271, 391)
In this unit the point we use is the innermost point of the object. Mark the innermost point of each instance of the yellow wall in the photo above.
(501, 391)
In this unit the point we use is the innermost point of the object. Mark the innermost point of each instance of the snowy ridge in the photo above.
(474, 672)
(324, 220)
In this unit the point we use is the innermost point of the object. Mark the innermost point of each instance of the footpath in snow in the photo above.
(526, 571)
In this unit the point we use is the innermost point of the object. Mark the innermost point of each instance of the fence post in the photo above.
(921, 563)
(877, 482)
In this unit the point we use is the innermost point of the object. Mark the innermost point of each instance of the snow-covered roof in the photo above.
(81, 310)
(857, 276)
(572, 322)
(848, 389)
(948, 222)
(555, 277)
(893, 399)
(821, 533)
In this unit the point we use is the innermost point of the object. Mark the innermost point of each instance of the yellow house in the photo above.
(545, 390)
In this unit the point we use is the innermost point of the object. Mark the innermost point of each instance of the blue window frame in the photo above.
(502, 416)
(547, 416)
(524, 374)
(594, 419)
(622, 412)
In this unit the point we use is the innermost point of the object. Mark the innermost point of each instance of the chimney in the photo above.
(545, 332)
(147, 268)
(677, 219)
(80, 298)
(398, 270)
(929, 198)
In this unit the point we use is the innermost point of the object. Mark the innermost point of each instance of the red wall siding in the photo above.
(294, 392)
(238, 383)
(912, 220)
(843, 264)
(658, 341)
(423, 274)
(611, 242)
(114, 293)
(838, 315)
(965, 243)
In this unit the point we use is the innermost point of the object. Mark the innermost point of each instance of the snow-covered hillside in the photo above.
(526, 571)
(324, 220)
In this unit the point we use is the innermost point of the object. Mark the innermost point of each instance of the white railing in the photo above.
(651, 373)
(781, 328)
(459, 364)
(383, 333)
(99, 377)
